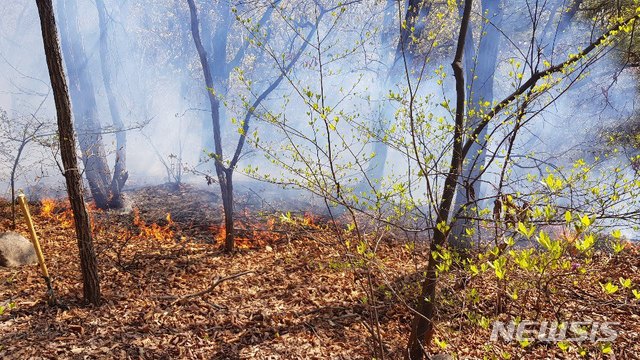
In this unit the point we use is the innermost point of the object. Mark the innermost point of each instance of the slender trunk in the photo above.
(469, 186)
(406, 50)
(120, 173)
(553, 36)
(85, 110)
(422, 327)
(226, 189)
(88, 263)
(223, 173)
(375, 167)
(214, 43)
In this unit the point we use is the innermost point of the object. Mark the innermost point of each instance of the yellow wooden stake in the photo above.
(36, 245)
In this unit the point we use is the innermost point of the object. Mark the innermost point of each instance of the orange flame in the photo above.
(309, 219)
(248, 236)
(155, 231)
(57, 210)
(46, 207)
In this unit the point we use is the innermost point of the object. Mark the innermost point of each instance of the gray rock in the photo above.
(16, 250)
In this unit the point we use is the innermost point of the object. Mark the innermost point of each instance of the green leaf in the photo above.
(568, 217)
(499, 265)
(618, 246)
(626, 283)
(474, 270)
(443, 227)
(544, 240)
(524, 230)
(563, 345)
(586, 243)
(442, 344)
(609, 288)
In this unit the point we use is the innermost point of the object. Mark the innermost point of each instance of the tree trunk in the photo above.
(82, 92)
(120, 174)
(214, 42)
(405, 50)
(223, 174)
(422, 327)
(226, 189)
(469, 186)
(88, 263)
(216, 70)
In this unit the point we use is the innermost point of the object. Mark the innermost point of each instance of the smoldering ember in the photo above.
(320, 179)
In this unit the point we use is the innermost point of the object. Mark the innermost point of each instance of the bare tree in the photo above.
(28, 134)
(120, 173)
(88, 263)
(104, 187)
(216, 69)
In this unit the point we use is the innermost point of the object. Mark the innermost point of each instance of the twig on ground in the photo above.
(213, 286)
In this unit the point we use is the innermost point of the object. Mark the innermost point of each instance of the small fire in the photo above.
(248, 236)
(220, 233)
(309, 219)
(46, 207)
(59, 211)
(155, 231)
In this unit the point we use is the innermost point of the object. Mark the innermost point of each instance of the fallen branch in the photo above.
(216, 282)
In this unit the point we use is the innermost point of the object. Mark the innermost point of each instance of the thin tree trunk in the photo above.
(422, 327)
(227, 202)
(82, 92)
(405, 50)
(214, 42)
(484, 67)
(120, 173)
(88, 263)
(223, 174)
(13, 182)
(217, 77)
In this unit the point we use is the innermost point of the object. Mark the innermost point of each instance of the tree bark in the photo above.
(485, 63)
(214, 42)
(422, 327)
(82, 91)
(224, 178)
(405, 50)
(88, 263)
(120, 174)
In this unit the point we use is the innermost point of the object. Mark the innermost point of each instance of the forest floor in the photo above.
(296, 297)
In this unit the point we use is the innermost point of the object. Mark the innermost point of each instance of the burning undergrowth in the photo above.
(303, 294)
(295, 300)
(196, 214)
